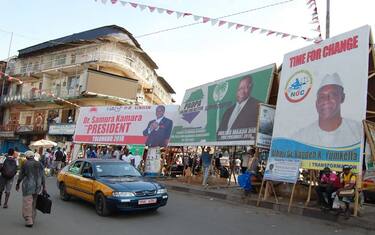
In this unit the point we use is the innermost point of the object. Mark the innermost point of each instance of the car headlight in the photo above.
(123, 194)
(162, 190)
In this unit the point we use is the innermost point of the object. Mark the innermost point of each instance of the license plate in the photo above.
(147, 201)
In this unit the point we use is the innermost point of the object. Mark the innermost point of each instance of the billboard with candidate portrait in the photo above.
(322, 101)
(223, 112)
(120, 125)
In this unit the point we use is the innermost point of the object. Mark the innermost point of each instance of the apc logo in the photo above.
(192, 106)
(298, 86)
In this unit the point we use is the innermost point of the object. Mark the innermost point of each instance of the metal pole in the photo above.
(10, 46)
(328, 18)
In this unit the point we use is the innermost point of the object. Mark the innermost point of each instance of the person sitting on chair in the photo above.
(347, 190)
(328, 184)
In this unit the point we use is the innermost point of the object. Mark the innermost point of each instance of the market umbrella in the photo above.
(43, 143)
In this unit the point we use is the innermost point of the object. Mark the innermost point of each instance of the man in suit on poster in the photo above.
(242, 114)
(158, 130)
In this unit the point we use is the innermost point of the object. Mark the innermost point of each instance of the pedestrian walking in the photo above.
(59, 157)
(206, 163)
(64, 159)
(33, 182)
(8, 170)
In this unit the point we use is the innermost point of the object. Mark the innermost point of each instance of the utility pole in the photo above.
(10, 46)
(328, 18)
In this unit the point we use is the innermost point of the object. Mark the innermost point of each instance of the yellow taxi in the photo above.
(110, 185)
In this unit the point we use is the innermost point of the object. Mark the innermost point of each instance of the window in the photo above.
(75, 168)
(28, 120)
(48, 63)
(60, 59)
(36, 66)
(114, 169)
(87, 169)
(72, 58)
(29, 67)
(23, 67)
(72, 82)
(18, 89)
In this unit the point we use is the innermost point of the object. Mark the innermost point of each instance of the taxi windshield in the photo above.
(115, 169)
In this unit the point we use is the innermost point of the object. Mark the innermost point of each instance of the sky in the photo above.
(189, 56)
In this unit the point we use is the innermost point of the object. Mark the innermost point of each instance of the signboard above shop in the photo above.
(223, 112)
(61, 129)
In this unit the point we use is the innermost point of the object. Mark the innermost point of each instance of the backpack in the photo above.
(59, 155)
(9, 169)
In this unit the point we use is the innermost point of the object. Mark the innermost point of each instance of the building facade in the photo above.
(103, 66)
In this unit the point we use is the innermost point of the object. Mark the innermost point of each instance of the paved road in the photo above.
(184, 214)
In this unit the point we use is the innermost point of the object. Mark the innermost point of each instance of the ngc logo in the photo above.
(298, 86)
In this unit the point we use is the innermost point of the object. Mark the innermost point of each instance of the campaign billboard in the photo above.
(282, 169)
(266, 115)
(120, 125)
(223, 112)
(322, 101)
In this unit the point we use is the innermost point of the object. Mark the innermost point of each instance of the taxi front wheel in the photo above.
(101, 205)
(63, 194)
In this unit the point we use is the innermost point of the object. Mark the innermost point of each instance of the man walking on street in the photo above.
(8, 170)
(33, 181)
(59, 156)
(206, 162)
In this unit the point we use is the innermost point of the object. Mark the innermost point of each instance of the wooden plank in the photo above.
(371, 75)
(356, 198)
(266, 191)
(311, 172)
(291, 197)
(274, 193)
(366, 125)
(260, 192)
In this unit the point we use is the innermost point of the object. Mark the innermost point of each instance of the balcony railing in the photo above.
(135, 65)
(9, 127)
(30, 128)
(43, 95)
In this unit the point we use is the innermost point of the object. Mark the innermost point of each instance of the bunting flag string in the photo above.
(315, 19)
(50, 94)
(217, 21)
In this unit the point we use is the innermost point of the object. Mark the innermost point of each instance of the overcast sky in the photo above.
(189, 56)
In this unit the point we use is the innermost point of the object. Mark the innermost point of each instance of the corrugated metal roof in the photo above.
(166, 85)
(88, 35)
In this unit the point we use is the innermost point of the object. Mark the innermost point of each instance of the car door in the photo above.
(85, 182)
(71, 178)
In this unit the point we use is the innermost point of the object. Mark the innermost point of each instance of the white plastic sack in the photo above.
(336, 203)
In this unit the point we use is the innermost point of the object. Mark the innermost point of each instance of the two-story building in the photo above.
(102, 66)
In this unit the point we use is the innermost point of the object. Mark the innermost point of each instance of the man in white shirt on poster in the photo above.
(331, 129)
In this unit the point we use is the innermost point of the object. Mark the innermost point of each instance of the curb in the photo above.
(295, 210)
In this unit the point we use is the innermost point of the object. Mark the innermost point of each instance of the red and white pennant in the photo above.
(205, 19)
(315, 19)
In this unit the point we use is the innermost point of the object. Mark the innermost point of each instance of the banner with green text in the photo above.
(223, 112)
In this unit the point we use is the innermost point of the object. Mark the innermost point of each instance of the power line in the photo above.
(159, 31)
(220, 17)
